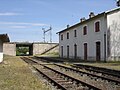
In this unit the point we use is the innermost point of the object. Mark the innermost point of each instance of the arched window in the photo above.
(67, 35)
(84, 30)
(97, 26)
(75, 33)
(62, 37)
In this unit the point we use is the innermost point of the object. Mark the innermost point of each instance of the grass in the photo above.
(115, 65)
(52, 54)
(16, 75)
(110, 65)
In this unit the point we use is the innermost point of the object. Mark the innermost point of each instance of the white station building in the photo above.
(96, 38)
(3, 38)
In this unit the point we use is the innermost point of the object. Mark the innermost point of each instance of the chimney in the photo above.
(82, 19)
(91, 14)
(68, 26)
(118, 3)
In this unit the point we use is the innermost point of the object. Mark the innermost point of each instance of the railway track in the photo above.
(103, 71)
(109, 78)
(115, 80)
(105, 75)
(61, 80)
(110, 72)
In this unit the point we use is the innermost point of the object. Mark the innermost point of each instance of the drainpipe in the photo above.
(105, 35)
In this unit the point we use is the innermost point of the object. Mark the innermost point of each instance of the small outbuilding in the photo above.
(3, 38)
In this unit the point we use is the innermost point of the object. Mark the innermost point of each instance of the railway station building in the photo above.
(3, 38)
(94, 39)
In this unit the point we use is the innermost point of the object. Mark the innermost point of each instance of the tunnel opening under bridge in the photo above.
(24, 49)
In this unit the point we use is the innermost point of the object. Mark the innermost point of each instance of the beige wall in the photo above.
(39, 48)
(9, 49)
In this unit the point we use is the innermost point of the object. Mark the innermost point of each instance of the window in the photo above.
(62, 37)
(67, 35)
(84, 30)
(75, 33)
(97, 26)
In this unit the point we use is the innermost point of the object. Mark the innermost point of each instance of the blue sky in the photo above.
(23, 20)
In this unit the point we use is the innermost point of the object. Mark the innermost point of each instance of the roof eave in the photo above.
(80, 23)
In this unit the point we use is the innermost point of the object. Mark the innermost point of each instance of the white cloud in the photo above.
(21, 25)
(10, 14)
(38, 24)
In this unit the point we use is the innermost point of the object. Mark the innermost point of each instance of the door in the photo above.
(98, 51)
(67, 51)
(61, 51)
(75, 51)
(85, 51)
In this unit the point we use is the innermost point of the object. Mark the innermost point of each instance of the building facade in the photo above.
(96, 38)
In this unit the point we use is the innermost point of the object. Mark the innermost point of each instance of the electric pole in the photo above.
(44, 33)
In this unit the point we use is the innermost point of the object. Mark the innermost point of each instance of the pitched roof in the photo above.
(81, 22)
(104, 13)
(113, 10)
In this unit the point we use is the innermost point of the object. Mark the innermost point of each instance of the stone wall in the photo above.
(54, 50)
(9, 49)
(42, 48)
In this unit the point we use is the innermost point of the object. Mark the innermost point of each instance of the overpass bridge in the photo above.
(34, 48)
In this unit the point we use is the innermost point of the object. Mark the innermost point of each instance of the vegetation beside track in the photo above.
(115, 65)
(52, 54)
(15, 74)
(109, 65)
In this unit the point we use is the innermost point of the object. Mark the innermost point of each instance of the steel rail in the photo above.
(102, 70)
(53, 81)
(67, 76)
(89, 74)
(98, 70)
